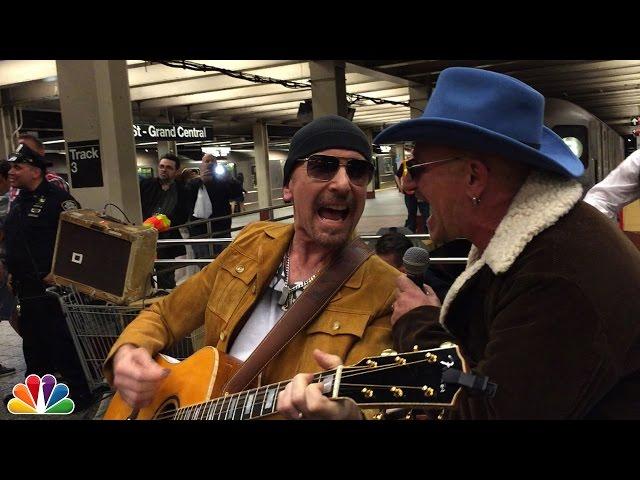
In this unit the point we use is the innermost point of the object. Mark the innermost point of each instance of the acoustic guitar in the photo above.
(194, 388)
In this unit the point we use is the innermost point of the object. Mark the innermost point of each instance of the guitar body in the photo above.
(196, 379)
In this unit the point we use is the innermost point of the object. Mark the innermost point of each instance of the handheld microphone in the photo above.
(416, 262)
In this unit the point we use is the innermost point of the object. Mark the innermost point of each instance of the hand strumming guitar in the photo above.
(136, 375)
(304, 400)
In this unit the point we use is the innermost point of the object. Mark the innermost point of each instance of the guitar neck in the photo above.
(245, 405)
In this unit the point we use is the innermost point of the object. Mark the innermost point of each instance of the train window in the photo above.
(576, 137)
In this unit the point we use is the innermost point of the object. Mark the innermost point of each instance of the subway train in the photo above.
(599, 146)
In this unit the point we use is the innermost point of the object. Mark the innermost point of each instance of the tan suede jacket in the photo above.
(355, 323)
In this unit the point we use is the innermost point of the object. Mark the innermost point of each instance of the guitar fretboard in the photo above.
(245, 405)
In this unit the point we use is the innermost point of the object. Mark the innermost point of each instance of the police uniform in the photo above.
(30, 234)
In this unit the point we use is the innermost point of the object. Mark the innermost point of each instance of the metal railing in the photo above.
(205, 261)
(265, 213)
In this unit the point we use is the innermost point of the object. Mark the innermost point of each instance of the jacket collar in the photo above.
(541, 201)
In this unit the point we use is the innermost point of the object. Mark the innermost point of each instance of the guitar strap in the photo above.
(307, 306)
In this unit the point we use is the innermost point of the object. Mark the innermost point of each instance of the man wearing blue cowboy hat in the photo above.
(554, 326)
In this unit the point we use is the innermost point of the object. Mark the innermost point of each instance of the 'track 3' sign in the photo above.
(85, 164)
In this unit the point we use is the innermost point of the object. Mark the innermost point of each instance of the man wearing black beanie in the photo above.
(243, 293)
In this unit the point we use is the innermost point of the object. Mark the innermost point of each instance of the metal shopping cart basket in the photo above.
(95, 325)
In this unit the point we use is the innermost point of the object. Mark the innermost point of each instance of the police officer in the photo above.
(30, 229)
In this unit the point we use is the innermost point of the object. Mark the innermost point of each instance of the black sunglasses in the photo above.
(416, 169)
(325, 167)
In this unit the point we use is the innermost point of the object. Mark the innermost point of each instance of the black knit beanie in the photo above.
(329, 131)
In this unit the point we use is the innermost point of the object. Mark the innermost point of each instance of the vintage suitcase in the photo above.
(104, 258)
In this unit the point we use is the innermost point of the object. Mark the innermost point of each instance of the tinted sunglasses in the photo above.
(325, 167)
(416, 169)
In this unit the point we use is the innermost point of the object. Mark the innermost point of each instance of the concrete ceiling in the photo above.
(610, 89)
(225, 102)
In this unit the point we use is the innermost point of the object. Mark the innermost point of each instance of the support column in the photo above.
(96, 105)
(328, 88)
(166, 147)
(8, 141)
(263, 176)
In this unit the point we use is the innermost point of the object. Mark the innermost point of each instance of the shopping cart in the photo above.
(95, 325)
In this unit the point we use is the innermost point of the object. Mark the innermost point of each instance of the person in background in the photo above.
(7, 300)
(413, 204)
(210, 197)
(164, 195)
(618, 189)
(239, 193)
(392, 246)
(36, 145)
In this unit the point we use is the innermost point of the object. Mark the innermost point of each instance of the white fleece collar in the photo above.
(541, 201)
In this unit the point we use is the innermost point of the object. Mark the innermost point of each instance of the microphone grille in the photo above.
(416, 260)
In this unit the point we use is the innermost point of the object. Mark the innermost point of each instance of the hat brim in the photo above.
(553, 153)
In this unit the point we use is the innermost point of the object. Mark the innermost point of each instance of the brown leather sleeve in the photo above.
(421, 327)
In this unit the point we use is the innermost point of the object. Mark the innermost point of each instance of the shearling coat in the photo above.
(550, 312)
(355, 324)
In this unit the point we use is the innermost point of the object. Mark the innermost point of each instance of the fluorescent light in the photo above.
(574, 145)
(49, 142)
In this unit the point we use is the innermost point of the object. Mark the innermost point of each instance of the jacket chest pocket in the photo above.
(233, 282)
(336, 331)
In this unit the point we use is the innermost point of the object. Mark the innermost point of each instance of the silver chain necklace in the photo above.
(287, 297)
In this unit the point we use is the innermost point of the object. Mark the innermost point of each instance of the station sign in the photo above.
(162, 132)
(85, 164)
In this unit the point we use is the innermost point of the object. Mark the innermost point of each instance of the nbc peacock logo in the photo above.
(41, 396)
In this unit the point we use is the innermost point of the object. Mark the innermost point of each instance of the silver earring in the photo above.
(475, 200)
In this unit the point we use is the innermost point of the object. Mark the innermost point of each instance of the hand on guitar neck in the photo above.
(136, 375)
(302, 399)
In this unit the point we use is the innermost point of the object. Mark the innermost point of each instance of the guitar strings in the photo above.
(260, 396)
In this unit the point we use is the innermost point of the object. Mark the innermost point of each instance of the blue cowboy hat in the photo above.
(488, 112)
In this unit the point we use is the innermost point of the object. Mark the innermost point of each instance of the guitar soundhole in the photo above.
(167, 409)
